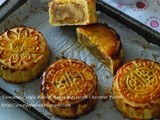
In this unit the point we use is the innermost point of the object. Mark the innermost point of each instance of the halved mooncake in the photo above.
(136, 89)
(103, 42)
(24, 54)
(66, 88)
(72, 12)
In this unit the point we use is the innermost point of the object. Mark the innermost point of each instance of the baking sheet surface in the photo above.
(62, 42)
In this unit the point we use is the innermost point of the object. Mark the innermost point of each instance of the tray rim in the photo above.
(8, 7)
(27, 109)
(143, 30)
(111, 12)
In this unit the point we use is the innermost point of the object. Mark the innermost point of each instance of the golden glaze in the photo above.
(137, 84)
(72, 12)
(71, 82)
(21, 48)
(69, 78)
(106, 39)
(104, 43)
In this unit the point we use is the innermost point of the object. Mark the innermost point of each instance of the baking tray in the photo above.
(36, 15)
(8, 7)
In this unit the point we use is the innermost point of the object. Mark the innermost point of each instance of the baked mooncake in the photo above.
(67, 87)
(136, 89)
(24, 54)
(72, 12)
(103, 42)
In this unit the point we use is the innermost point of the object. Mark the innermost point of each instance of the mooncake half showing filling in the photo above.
(72, 12)
(24, 54)
(104, 43)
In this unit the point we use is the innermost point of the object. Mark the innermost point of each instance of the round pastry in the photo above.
(136, 89)
(67, 87)
(24, 54)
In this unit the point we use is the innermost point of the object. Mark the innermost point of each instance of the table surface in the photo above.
(146, 11)
(2, 1)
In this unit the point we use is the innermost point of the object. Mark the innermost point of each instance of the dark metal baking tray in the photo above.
(9, 7)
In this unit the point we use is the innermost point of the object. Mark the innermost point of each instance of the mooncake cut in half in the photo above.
(72, 12)
(136, 89)
(103, 42)
(67, 87)
(24, 54)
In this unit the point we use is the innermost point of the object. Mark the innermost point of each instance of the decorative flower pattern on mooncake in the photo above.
(19, 47)
(24, 54)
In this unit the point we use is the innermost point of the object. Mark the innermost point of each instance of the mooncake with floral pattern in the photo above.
(24, 54)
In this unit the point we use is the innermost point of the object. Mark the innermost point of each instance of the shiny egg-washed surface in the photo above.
(24, 54)
(20, 47)
(136, 89)
(105, 38)
(139, 81)
(68, 81)
(104, 43)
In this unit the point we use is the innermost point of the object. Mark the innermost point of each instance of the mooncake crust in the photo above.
(69, 82)
(24, 54)
(104, 39)
(71, 111)
(137, 88)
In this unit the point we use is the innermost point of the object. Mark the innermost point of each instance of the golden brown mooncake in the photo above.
(72, 12)
(66, 88)
(103, 42)
(136, 89)
(24, 54)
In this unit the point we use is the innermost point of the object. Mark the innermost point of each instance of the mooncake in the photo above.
(24, 54)
(72, 12)
(104, 43)
(136, 89)
(67, 87)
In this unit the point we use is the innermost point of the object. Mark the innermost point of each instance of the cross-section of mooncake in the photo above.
(72, 12)
(104, 43)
